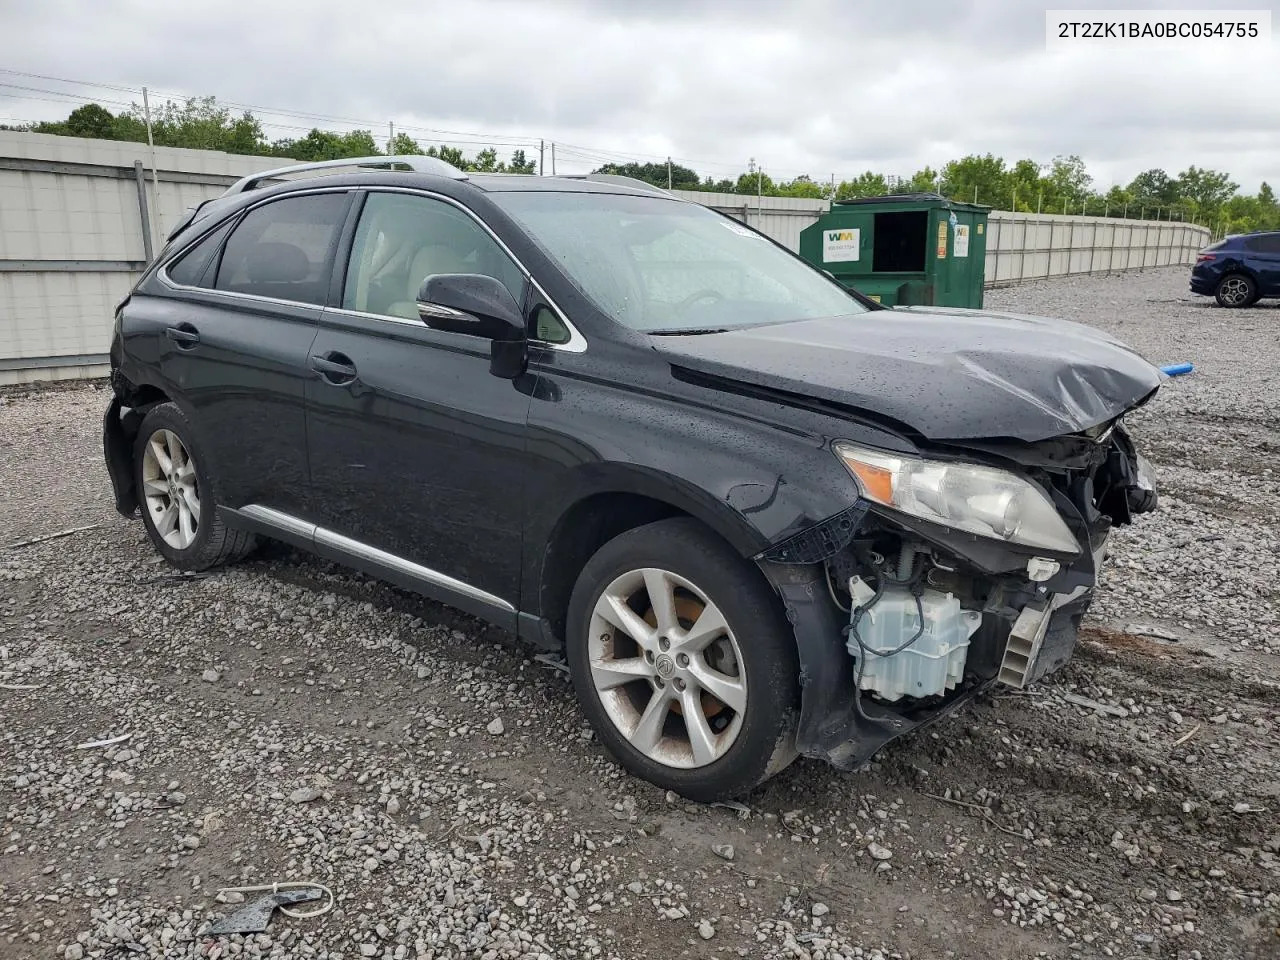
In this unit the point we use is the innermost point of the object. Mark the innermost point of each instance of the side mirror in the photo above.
(470, 303)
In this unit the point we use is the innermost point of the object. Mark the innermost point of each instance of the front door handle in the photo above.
(334, 367)
(184, 335)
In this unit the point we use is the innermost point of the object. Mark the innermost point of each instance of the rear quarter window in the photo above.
(192, 269)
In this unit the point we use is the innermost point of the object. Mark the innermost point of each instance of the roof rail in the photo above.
(620, 181)
(418, 163)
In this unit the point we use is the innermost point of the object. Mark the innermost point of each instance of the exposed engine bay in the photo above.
(915, 617)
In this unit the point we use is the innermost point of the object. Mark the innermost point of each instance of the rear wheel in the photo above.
(683, 662)
(1236, 290)
(178, 491)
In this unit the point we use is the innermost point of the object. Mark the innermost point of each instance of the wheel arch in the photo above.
(615, 503)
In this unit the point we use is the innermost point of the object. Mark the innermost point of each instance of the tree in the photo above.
(519, 164)
(1204, 191)
(1070, 180)
(450, 155)
(1153, 188)
(327, 145)
(803, 186)
(403, 145)
(755, 182)
(974, 178)
(866, 185)
(922, 181)
(91, 120)
(682, 178)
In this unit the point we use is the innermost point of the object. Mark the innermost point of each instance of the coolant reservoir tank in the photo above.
(933, 664)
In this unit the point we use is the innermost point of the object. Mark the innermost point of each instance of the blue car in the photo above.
(1239, 271)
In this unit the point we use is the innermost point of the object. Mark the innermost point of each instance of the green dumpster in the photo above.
(908, 249)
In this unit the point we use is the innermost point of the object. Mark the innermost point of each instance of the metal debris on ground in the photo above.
(255, 917)
(51, 536)
(554, 662)
(109, 742)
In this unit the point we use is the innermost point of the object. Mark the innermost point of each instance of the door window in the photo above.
(284, 249)
(1264, 243)
(402, 239)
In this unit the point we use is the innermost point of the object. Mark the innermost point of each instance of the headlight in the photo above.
(977, 499)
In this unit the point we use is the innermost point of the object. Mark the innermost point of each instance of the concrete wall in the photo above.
(780, 217)
(72, 240)
(75, 219)
(1032, 246)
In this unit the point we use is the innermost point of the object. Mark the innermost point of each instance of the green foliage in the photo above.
(755, 183)
(867, 185)
(1207, 196)
(682, 178)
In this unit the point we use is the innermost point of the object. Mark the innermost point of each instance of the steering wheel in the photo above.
(697, 296)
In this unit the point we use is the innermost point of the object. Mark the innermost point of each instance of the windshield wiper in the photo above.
(686, 331)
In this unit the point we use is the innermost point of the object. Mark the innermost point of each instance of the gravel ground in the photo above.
(291, 721)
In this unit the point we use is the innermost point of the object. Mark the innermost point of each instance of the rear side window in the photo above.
(284, 249)
(1265, 243)
(193, 268)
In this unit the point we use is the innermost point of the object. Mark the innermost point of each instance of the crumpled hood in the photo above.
(949, 374)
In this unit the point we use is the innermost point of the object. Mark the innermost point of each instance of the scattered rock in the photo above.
(723, 850)
(496, 727)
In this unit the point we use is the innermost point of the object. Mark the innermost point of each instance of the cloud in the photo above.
(824, 86)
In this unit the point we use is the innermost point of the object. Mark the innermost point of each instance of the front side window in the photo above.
(402, 239)
(663, 266)
(284, 249)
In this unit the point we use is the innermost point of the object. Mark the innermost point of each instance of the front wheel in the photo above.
(1236, 290)
(683, 662)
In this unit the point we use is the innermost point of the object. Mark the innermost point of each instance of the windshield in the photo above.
(663, 266)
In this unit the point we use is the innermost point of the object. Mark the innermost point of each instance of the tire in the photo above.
(1236, 290)
(181, 516)
(638, 695)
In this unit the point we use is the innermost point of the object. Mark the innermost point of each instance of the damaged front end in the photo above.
(972, 565)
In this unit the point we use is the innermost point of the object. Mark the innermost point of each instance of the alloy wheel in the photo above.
(170, 489)
(1235, 290)
(667, 669)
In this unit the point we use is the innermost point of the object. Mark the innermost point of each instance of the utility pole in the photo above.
(391, 138)
(542, 146)
(668, 173)
(1040, 202)
(975, 193)
(553, 158)
(155, 175)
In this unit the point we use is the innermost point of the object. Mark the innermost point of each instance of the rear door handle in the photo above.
(334, 367)
(184, 335)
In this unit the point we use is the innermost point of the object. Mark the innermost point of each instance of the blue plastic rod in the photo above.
(1177, 369)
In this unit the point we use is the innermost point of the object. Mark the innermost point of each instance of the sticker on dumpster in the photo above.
(874, 296)
(840, 246)
(979, 229)
(942, 239)
(961, 248)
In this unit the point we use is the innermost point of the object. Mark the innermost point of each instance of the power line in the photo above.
(431, 135)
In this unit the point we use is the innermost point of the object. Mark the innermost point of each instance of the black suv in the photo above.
(761, 515)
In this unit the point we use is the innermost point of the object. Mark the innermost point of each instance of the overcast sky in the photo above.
(807, 86)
